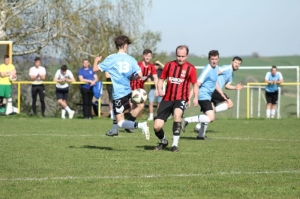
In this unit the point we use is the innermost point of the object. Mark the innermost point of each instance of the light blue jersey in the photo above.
(269, 77)
(226, 75)
(208, 79)
(120, 67)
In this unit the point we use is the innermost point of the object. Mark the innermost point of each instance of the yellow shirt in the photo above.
(6, 68)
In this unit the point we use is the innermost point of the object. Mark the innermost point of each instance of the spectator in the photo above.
(273, 78)
(6, 69)
(37, 74)
(86, 74)
(62, 77)
(151, 96)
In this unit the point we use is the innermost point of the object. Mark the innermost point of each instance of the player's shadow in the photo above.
(92, 147)
(147, 147)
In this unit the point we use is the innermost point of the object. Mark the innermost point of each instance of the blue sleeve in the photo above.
(106, 64)
(80, 72)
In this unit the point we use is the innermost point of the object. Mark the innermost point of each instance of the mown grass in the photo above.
(54, 158)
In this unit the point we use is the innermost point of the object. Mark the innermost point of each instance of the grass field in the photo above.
(54, 158)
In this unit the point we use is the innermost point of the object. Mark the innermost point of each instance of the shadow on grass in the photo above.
(147, 147)
(92, 147)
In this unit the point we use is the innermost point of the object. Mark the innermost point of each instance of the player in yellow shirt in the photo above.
(6, 70)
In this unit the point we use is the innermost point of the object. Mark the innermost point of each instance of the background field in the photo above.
(54, 158)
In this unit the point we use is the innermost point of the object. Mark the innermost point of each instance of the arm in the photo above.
(158, 62)
(95, 65)
(7, 73)
(195, 90)
(218, 88)
(230, 87)
(159, 87)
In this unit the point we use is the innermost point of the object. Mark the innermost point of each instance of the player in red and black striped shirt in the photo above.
(179, 75)
(147, 69)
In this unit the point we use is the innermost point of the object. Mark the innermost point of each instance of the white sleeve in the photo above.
(31, 72)
(57, 74)
(280, 76)
(44, 71)
(70, 74)
(267, 76)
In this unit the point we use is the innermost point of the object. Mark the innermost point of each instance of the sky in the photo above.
(233, 27)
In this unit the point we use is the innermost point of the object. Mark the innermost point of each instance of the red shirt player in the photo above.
(179, 74)
(147, 69)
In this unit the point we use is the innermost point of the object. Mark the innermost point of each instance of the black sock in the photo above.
(176, 128)
(160, 134)
(131, 118)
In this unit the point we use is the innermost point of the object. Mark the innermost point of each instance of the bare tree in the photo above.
(69, 26)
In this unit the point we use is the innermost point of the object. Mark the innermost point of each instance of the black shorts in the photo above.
(166, 108)
(122, 104)
(205, 105)
(62, 93)
(216, 98)
(272, 97)
(109, 88)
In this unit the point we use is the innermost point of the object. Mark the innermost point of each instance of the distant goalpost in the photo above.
(252, 85)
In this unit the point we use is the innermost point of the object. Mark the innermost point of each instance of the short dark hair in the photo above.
(274, 67)
(237, 58)
(6, 56)
(64, 67)
(183, 46)
(213, 53)
(85, 60)
(37, 59)
(147, 51)
(121, 40)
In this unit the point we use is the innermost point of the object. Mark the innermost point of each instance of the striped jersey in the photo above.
(146, 71)
(179, 78)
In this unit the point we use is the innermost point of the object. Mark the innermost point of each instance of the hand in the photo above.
(239, 86)
(224, 97)
(97, 59)
(161, 93)
(156, 93)
(143, 78)
(195, 101)
(93, 83)
(274, 82)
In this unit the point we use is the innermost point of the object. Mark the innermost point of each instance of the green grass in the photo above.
(54, 158)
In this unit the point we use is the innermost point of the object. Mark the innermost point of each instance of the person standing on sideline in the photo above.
(273, 78)
(86, 74)
(207, 84)
(220, 100)
(6, 69)
(179, 74)
(37, 74)
(121, 68)
(63, 76)
(151, 96)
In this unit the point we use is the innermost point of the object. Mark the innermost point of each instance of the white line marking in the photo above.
(120, 136)
(259, 139)
(149, 176)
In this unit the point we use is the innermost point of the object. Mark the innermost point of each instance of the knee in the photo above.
(177, 117)
(157, 127)
(230, 104)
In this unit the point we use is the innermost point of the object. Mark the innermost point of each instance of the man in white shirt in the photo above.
(62, 77)
(37, 74)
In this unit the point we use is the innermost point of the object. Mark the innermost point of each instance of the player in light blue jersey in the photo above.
(273, 78)
(219, 99)
(121, 68)
(207, 84)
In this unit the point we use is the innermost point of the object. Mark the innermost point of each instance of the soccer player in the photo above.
(37, 74)
(207, 84)
(63, 76)
(179, 74)
(220, 100)
(273, 78)
(6, 70)
(121, 68)
(147, 69)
